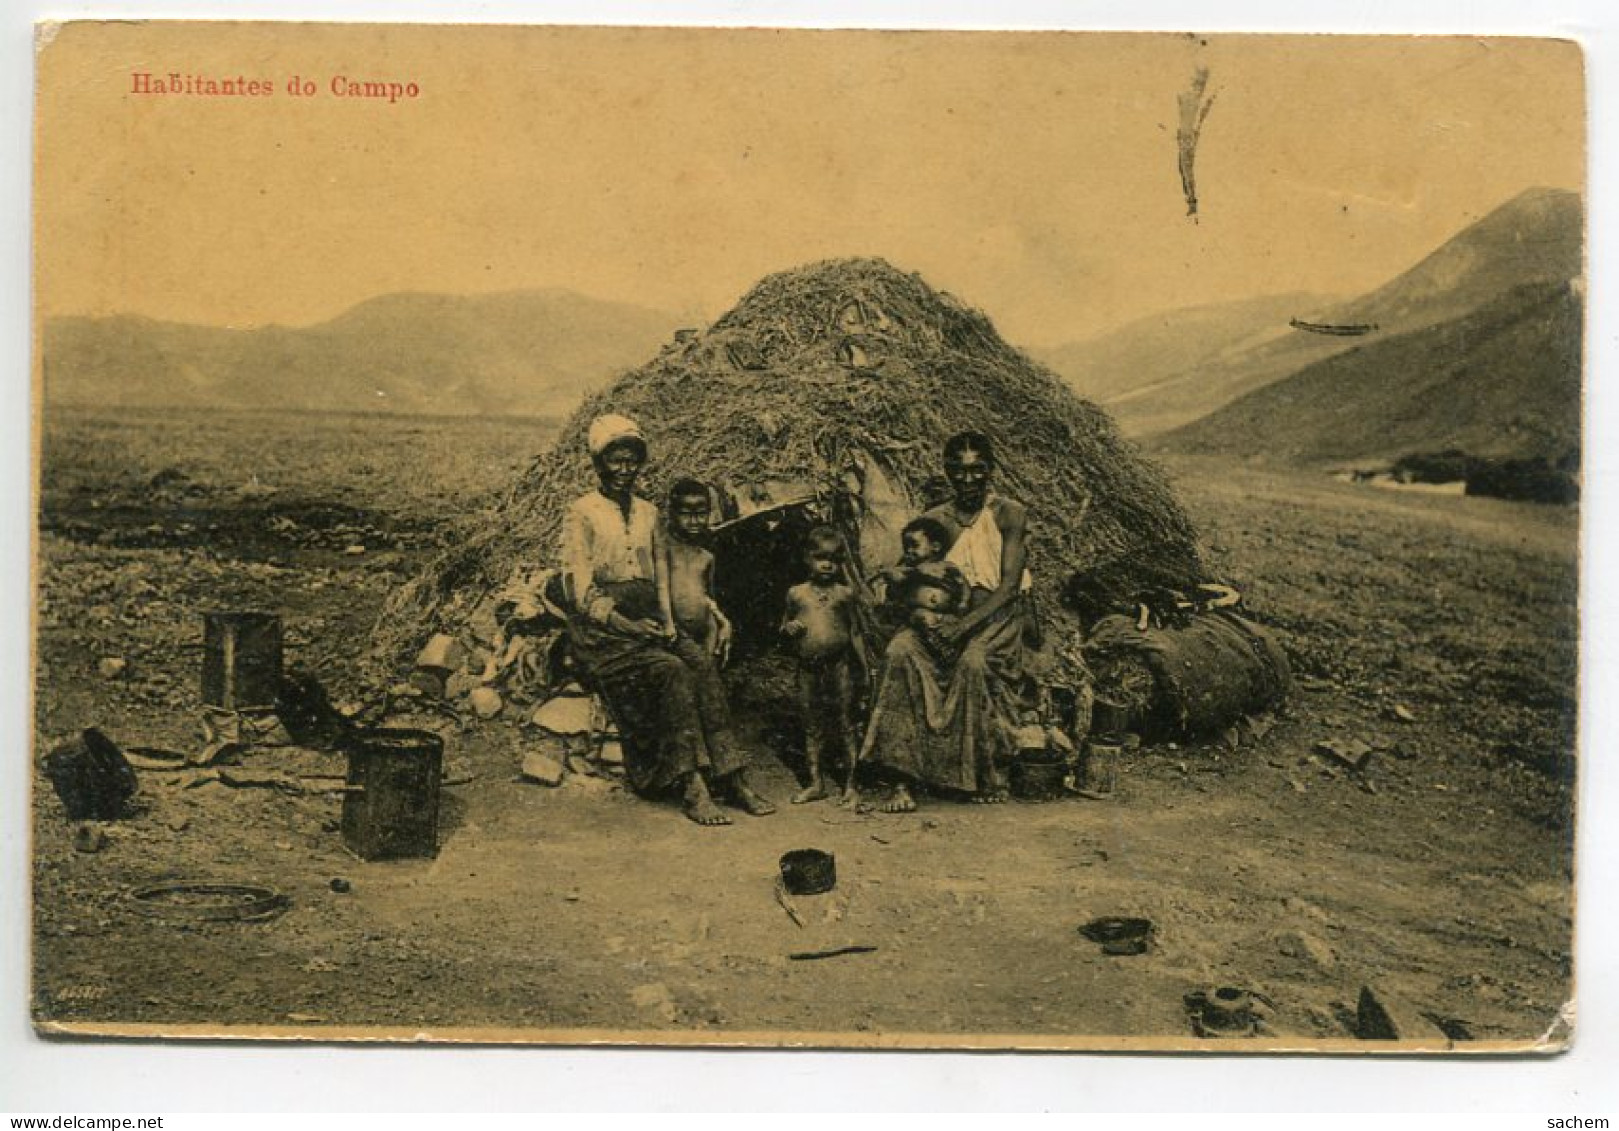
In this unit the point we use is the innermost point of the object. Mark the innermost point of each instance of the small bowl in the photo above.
(808, 871)
(1120, 936)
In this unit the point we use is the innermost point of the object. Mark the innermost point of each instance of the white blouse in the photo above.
(600, 546)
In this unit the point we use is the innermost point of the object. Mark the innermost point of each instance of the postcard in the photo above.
(872, 539)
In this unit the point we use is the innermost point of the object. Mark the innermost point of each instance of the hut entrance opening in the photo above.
(756, 560)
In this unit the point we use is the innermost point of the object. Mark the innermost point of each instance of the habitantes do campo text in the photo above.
(239, 86)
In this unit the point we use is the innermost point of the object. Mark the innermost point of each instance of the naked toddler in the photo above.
(820, 626)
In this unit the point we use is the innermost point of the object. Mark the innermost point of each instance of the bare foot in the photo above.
(900, 801)
(749, 801)
(814, 791)
(700, 806)
(989, 797)
(850, 799)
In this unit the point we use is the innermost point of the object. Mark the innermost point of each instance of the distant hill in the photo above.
(1534, 238)
(517, 353)
(1503, 380)
(1149, 351)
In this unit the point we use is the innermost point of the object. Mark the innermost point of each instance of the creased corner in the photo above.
(1559, 1035)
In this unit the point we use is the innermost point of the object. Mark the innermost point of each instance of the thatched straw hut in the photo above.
(831, 388)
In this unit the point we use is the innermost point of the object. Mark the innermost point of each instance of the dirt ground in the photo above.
(1441, 630)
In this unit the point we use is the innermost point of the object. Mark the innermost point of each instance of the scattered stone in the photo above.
(1307, 948)
(1404, 713)
(655, 1000)
(442, 651)
(579, 764)
(463, 683)
(428, 682)
(340, 885)
(1380, 1016)
(179, 824)
(565, 713)
(111, 667)
(544, 769)
(1351, 752)
(354, 550)
(89, 838)
(404, 691)
(611, 753)
(485, 701)
(1293, 905)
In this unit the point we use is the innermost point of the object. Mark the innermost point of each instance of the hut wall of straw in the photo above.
(817, 372)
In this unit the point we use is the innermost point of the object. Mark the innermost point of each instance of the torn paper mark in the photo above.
(1195, 105)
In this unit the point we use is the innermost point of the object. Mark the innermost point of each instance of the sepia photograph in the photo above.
(806, 538)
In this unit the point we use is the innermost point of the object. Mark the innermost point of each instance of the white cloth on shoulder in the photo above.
(977, 551)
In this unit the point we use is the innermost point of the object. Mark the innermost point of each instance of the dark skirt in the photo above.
(667, 700)
(947, 724)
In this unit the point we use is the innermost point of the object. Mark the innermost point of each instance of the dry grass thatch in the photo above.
(818, 369)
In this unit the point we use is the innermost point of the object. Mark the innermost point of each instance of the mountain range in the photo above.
(1475, 346)
(529, 353)
(1485, 356)
(1533, 241)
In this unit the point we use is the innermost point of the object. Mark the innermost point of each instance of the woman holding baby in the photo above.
(945, 706)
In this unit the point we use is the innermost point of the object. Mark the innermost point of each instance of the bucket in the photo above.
(390, 808)
(1099, 769)
(241, 660)
(1038, 776)
(808, 871)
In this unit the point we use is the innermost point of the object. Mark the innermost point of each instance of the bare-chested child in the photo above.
(686, 574)
(923, 542)
(820, 625)
(934, 594)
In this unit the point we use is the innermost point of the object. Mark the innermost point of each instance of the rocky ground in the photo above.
(1440, 632)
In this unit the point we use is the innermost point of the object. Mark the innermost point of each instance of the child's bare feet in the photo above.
(990, 797)
(699, 805)
(900, 801)
(814, 791)
(850, 798)
(747, 800)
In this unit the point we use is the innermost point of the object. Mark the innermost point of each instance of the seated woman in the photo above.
(946, 707)
(662, 689)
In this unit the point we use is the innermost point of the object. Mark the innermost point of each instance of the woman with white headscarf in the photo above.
(662, 690)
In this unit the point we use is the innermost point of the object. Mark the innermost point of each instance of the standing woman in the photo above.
(949, 725)
(667, 700)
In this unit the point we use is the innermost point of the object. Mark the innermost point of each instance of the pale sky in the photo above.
(1033, 175)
